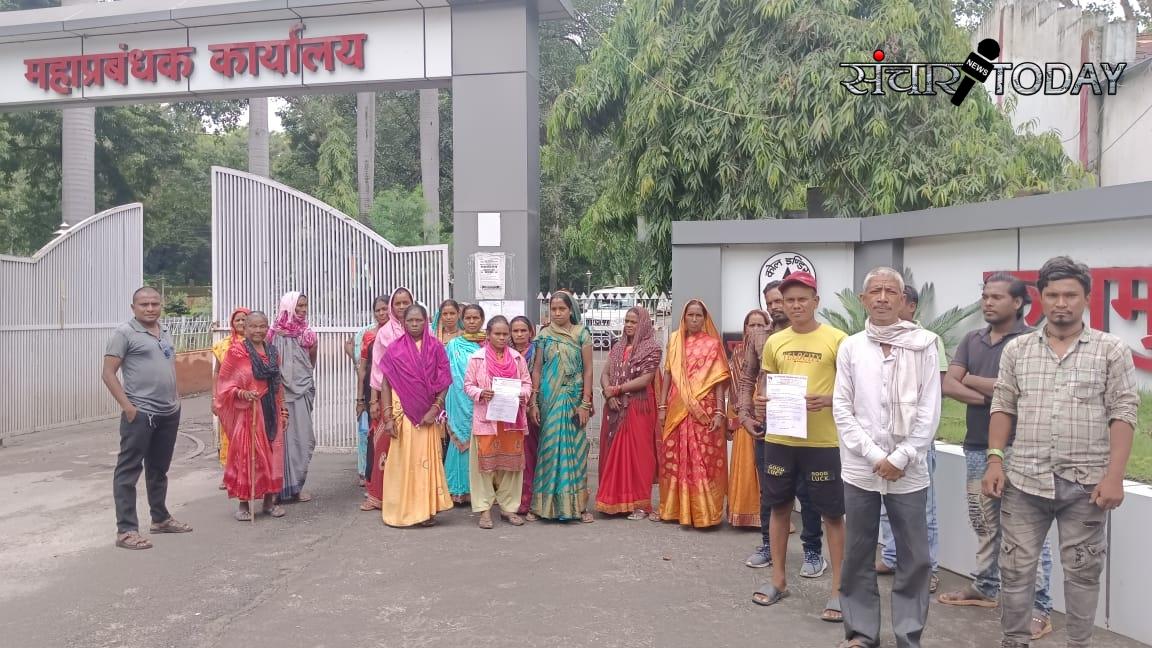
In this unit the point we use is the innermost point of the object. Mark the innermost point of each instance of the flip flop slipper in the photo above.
(276, 511)
(304, 497)
(243, 516)
(587, 518)
(485, 523)
(637, 515)
(833, 605)
(514, 519)
(852, 643)
(771, 595)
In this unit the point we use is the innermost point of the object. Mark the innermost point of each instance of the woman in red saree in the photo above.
(694, 479)
(249, 398)
(627, 451)
(385, 335)
(220, 351)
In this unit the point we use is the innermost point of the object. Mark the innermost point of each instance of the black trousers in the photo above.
(145, 444)
(812, 531)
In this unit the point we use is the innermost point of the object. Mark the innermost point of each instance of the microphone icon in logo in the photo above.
(977, 67)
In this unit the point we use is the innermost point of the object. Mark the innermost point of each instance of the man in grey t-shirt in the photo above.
(142, 351)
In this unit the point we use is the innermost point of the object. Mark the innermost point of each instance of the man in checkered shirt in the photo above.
(1072, 393)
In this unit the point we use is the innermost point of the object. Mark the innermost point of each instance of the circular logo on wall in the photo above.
(780, 265)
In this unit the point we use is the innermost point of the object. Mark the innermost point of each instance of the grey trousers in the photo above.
(1025, 520)
(859, 591)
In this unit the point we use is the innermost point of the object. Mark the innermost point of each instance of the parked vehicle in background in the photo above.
(606, 311)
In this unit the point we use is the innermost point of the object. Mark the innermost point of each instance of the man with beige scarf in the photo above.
(886, 406)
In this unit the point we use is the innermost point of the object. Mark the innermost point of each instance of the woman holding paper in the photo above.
(627, 433)
(694, 480)
(415, 376)
(497, 378)
(460, 405)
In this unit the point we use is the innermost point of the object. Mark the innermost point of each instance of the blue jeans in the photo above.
(812, 533)
(889, 541)
(984, 517)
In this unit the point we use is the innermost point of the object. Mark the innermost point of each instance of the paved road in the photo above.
(327, 575)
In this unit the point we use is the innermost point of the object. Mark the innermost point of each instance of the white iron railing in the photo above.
(189, 333)
(60, 306)
(269, 239)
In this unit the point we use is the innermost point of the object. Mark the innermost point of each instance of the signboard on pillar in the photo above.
(780, 265)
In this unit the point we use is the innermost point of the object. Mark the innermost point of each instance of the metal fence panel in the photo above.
(61, 304)
(268, 239)
(189, 333)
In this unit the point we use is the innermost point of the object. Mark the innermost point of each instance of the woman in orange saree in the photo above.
(743, 484)
(694, 445)
(249, 397)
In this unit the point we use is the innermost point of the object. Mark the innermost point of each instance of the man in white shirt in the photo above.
(886, 406)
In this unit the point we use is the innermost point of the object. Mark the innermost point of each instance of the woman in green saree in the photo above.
(562, 369)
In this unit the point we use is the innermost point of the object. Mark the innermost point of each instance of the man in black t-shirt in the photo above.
(970, 380)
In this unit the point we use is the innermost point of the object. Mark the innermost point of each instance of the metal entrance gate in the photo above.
(60, 306)
(268, 239)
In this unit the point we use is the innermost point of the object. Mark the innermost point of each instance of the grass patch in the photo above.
(1139, 465)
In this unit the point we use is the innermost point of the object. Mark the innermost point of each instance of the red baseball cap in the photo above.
(802, 278)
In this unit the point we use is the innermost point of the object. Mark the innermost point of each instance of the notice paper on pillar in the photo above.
(508, 308)
(491, 275)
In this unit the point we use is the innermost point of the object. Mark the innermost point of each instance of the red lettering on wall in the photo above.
(1127, 304)
(63, 74)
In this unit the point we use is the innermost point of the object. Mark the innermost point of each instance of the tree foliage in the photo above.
(337, 172)
(731, 109)
(398, 215)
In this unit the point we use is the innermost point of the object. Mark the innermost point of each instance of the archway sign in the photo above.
(139, 51)
(148, 51)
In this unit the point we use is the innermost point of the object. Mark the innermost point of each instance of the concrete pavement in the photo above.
(327, 575)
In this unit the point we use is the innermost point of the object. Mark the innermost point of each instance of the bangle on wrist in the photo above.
(994, 452)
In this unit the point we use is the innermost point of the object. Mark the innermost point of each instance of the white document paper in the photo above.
(490, 270)
(505, 403)
(509, 308)
(488, 229)
(787, 412)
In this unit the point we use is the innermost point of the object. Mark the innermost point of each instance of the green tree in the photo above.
(336, 171)
(398, 215)
(732, 110)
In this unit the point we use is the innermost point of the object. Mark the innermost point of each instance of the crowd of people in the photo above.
(1050, 420)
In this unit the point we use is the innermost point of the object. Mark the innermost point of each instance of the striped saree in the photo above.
(560, 485)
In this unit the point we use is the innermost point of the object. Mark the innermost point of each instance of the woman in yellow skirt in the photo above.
(415, 377)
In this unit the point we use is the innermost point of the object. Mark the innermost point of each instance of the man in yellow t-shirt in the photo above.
(807, 348)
